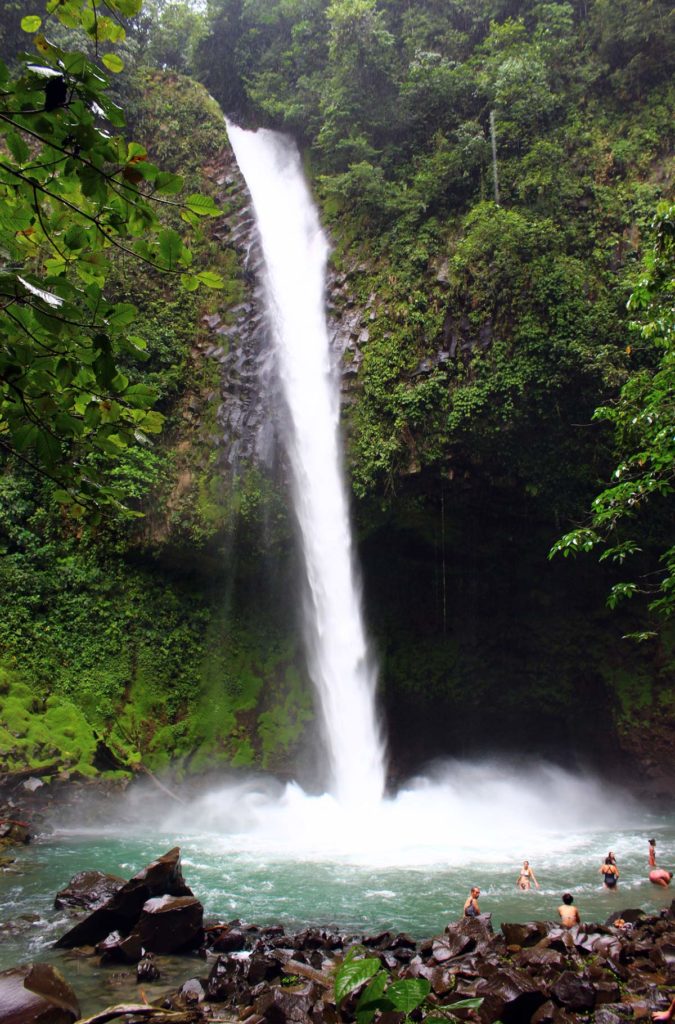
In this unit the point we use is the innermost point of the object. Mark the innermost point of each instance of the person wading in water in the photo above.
(471, 908)
(526, 876)
(609, 872)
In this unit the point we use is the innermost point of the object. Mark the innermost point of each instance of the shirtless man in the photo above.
(659, 876)
(569, 915)
(471, 908)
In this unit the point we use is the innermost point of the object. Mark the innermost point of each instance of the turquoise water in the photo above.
(275, 874)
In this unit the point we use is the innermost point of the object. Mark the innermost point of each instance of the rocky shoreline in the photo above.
(531, 973)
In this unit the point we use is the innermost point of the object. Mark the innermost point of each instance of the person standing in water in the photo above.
(652, 854)
(471, 908)
(569, 915)
(661, 877)
(609, 871)
(526, 876)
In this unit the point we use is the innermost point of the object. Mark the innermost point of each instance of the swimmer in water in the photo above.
(661, 877)
(526, 876)
(609, 872)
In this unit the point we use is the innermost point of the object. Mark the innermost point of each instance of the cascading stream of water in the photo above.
(295, 251)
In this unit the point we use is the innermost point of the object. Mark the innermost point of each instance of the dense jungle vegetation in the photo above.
(495, 321)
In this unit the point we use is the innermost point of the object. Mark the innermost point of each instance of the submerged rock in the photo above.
(147, 969)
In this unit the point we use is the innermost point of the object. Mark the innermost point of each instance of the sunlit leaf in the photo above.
(113, 62)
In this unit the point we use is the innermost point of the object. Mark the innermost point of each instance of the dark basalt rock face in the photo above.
(88, 890)
(509, 995)
(36, 994)
(154, 911)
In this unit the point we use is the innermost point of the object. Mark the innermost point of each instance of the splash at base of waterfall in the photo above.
(462, 813)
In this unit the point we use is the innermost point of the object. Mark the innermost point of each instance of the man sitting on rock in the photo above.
(569, 915)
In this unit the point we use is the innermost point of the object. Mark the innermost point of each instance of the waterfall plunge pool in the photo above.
(268, 854)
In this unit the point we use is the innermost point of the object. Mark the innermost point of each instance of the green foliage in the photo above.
(72, 194)
(643, 422)
(382, 995)
(41, 733)
(166, 33)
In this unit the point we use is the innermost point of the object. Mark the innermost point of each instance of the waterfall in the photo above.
(295, 251)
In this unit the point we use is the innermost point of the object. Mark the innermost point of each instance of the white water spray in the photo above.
(295, 252)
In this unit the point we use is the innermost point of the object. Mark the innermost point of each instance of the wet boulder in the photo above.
(441, 981)
(222, 981)
(537, 958)
(37, 994)
(510, 996)
(468, 935)
(574, 992)
(225, 939)
(163, 877)
(606, 991)
(259, 967)
(88, 890)
(527, 934)
(147, 969)
(614, 1013)
(169, 924)
(280, 1005)
(192, 992)
(116, 949)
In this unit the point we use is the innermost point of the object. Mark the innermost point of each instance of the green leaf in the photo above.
(48, 447)
(63, 497)
(153, 422)
(210, 279)
(167, 183)
(202, 205)
(113, 62)
(353, 973)
(31, 23)
(170, 246)
(189, 282)
(141, 395)
(370, 999)
(124, 313)
(407, 994)
(17, 147)
(24, 436)
(92, 414)
(465, 1004)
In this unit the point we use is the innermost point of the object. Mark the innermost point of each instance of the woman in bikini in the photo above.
(526, 876)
